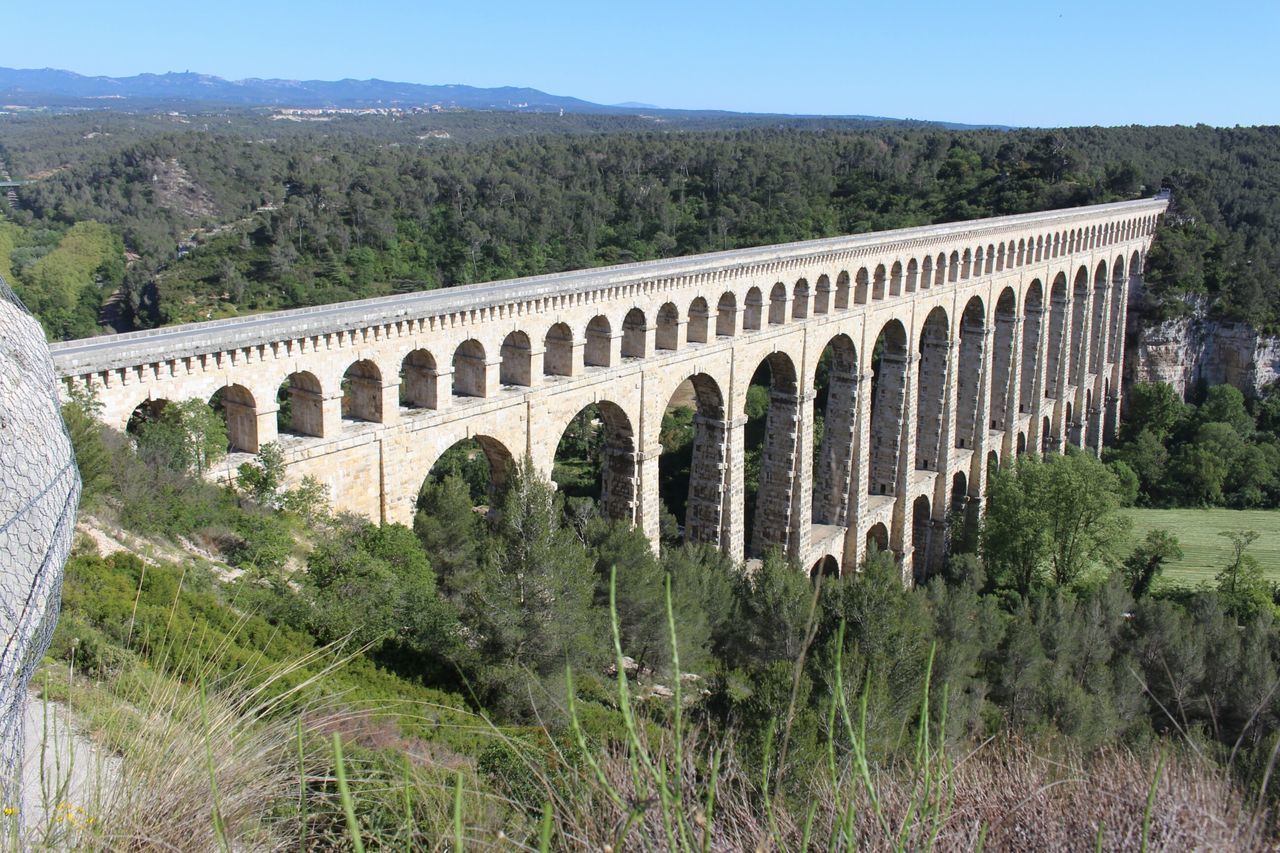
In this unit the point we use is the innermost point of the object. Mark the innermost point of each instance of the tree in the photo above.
(188, 436)
(262, 478)
(1155, 407)
(1057, 516)
(80, 414)
(1147, 561)
(1241, 583)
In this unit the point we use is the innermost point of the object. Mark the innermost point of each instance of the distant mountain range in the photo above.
(54, 88)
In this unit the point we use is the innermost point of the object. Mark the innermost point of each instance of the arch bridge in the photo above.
(944, 349)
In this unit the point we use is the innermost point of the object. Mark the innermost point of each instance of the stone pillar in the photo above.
(777, 474)
(802, 481)
(267, 430)
(444, 388)
(1006, 384)
(331, 413)
(649, 504)
(859, 478)
(900, 535)
(492, 377)
(1031, 376)
(618, 493)
(734, 522)
(833, 477)
(706, 481)
(390, 402)
(536, 366)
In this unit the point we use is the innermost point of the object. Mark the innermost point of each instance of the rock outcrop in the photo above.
(1197, 348)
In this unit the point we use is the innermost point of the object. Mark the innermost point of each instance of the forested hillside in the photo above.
(219, 215)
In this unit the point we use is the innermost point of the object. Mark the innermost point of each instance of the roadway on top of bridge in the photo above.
(110, 351)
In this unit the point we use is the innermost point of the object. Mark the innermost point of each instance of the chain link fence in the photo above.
(39, 493)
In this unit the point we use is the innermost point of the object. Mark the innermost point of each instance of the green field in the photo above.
(1205, 551)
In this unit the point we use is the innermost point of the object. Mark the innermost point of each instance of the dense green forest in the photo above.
(1045, 627)
(220, 215)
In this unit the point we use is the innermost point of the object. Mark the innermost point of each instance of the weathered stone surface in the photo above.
(379, 389)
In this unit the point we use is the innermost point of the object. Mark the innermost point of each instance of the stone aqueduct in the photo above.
(952, 346)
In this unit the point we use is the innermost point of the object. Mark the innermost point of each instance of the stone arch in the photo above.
(862, 287)
(959, 492)
(778, 304)
(921, 539)
(1001, 253)
(1097, 330)
(517, 355)
(498, 458)
(940, 270)
(236, 406)
(1022, 444)
(895, 279)
(842, 291)
(800, 300)
(699, 324)
(1006, 323)
(822, 296)
(989, 261)
(751, 315)
(774, 519)
(913, 275)
(877, 538)
(727, 315)
(878, 283)
(979, 256)
(1046, 436)
(704, 505)
(1079, 326)
(926, 273)
(144, 413)
(419, 387)
(300, 405)
(1118, 295)
(598, 351)
(888, 407)
(932, 369)
(1032, 322)
(470, 369)
(1039, 248)
(833, 468)
(1022, 251)
(557, 356)
(362, 392)
(972, 357)
(634, 333)
(1058, 307)
(667, 334)
(615, 449)
(826, 567)
(953, 266)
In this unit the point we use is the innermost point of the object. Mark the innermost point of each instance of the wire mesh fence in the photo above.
(39, 494)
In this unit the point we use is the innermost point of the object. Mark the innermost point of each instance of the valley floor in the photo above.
(1205, 551)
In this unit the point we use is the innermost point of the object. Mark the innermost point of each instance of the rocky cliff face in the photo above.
(1196, 348)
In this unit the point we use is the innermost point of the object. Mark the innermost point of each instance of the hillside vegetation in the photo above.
(229, 214)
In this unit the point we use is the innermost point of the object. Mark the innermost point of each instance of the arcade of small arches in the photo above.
(925, 370)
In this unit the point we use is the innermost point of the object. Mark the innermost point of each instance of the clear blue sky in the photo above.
(1067, 62)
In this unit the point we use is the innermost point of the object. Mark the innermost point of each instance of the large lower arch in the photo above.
(888, 407)
(483, 462)
(970, 419)
(922, 536)
(1058, 307)
(1079, 327)
(836, 400)
(1002, 387)
(596, 457)
(932, 375)
(773, 524)
(1097, 327)
(1032, 323)
(697, 505)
